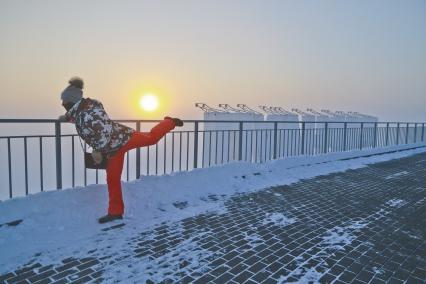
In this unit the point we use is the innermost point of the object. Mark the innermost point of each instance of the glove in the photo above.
(97, 157)
(63, 118)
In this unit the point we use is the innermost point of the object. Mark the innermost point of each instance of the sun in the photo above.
(148, 102)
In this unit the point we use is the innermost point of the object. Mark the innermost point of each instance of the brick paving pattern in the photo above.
(362, 226)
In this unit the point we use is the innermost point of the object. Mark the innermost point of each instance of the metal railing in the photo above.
(32, 163)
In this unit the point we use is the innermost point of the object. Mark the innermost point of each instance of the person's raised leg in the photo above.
(141, 139)
(160, 130)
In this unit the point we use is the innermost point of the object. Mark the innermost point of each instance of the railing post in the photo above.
(423, 132)
(138, 153)
(326, 138)
(26, 165)
(406, 133)
(9, 160)
(240, 141)
(387, 134)
(375, 135)
(415, 132)
(361, 135)
(397, 133)
(275, 139)
(58, 150)
(195, 144)
(303, 137)
(345, 133)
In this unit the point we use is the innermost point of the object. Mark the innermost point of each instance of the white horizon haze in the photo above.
(365, 56)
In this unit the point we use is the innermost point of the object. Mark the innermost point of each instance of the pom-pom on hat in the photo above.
(74, 92)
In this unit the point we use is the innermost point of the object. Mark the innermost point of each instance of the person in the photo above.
(108, 139)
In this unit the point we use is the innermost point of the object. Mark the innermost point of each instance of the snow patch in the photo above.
(253, 240)
(411, 235)
(334, 239)
(396, 175)
(186, 258)
(277, 219)
(338, 237)
(378, 270)
(396, 203)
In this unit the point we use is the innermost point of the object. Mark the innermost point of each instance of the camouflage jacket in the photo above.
(96, 128)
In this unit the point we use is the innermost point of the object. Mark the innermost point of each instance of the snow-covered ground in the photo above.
(59, 224)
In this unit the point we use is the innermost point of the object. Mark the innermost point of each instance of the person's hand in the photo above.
(97, 157)
(63, 118)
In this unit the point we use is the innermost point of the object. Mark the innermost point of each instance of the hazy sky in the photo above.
(363, 55)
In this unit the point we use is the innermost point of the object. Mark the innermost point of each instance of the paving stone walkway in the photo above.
(362, 226)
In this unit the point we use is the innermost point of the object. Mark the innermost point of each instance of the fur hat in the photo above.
(74, 92)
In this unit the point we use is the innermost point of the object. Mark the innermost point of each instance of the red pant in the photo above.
(115, 163)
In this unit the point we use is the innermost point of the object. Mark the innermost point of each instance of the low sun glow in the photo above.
(149, 102)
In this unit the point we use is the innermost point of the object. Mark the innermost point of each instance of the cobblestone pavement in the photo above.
(361, 226)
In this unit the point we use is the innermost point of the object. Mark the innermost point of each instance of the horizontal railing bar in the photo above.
(24, 120)
(26, 136)
(63, 135)
(271, 121)
(180, 131)
(208, 121)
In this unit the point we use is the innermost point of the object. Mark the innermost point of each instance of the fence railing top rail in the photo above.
(30, 120)
(27, 120)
